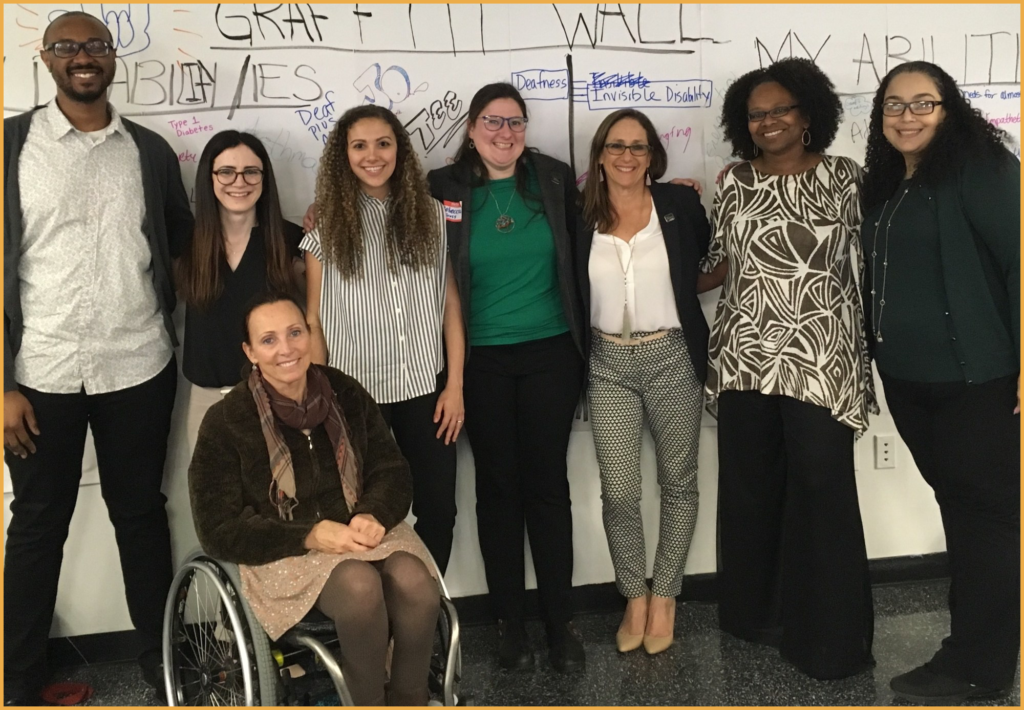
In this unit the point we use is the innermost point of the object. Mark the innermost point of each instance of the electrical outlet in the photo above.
(885, 451)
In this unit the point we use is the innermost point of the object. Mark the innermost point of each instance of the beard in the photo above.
(65, 83)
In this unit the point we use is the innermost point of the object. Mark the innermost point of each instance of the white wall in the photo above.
(979, 44)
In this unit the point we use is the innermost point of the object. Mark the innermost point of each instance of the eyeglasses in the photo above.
(251, 176)
(777, 112)
(65, 48)
(918, 108)
(494, 123)
(637, 149)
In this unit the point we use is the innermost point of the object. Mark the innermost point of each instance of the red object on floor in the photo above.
(67, 693)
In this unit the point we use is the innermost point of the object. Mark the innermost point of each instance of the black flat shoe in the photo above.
(926, 687)
(566, 648)
(514, 651)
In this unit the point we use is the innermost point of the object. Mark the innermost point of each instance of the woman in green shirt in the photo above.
(510, 215)
(942, 246)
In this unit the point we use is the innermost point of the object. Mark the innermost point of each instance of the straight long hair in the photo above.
(199, 272)
(597, 208)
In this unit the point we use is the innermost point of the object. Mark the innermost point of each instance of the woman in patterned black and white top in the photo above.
(789, 377)
(383, 306)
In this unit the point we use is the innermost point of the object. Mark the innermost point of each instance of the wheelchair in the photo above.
(216, 653)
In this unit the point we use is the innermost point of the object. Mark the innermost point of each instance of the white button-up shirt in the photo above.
(91, 314)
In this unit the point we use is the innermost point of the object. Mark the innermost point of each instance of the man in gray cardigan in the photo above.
(94, 212)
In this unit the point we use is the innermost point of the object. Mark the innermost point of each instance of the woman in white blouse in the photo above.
(382, 302)
(639, 250)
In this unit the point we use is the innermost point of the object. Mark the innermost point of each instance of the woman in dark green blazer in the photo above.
(942, 246)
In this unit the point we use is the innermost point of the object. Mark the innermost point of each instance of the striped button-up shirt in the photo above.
(92, 318)
(384, 328)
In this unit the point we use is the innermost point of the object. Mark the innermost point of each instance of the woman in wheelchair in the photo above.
(329, 533)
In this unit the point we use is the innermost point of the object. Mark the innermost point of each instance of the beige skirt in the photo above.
(281, 593)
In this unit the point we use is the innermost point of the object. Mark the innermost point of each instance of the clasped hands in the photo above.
(362, 533)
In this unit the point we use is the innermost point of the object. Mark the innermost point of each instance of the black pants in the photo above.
(965, 439)
(130, 429)
(433, 471)
(791, 543)
(520, 401)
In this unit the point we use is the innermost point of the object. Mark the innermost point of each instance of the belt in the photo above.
(632, 341)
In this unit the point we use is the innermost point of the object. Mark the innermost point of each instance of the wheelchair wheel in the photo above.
(214, 652)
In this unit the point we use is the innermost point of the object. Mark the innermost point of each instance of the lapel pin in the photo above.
(670, 217)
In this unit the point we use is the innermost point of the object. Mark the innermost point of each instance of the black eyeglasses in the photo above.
(637, 149)
(777, 112)
(494, 123)
(918, 108)
(65, 48)
(227, 176)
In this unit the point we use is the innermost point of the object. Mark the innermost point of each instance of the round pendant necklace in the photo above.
(504, 224)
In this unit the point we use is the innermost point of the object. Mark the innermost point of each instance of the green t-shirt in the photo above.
(514, 276)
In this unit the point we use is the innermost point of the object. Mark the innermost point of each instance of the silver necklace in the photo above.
(876, 322)
(504, 223)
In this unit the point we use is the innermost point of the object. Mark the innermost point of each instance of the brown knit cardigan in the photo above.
(229, 478)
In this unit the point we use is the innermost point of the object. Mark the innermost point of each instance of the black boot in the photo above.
(927, 687)
(566, 648)
(514, 651)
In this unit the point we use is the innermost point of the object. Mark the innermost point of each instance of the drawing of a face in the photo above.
(775, 134)
(501, 148)
(81, 78)
(372, 154)
(910, 133)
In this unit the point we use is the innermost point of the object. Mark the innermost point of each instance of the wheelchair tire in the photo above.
(215, 652)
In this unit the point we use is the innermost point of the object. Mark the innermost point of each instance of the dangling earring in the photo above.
(647, 177)
(255, 367)
(806, 137)
(472, 145)
(600, 173)
(756, 151)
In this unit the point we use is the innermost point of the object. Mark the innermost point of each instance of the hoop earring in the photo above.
(806, 137)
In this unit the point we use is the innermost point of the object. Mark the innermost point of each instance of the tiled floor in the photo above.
(704, 667)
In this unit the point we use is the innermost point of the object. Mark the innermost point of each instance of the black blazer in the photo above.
(453, 184)
(687, 235)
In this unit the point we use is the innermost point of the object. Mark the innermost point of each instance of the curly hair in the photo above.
(812, 89)
(597, 208)
(412, 216)
(963, 133)
(468, 155)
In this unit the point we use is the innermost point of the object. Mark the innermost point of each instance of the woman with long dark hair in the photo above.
(510, 214)
(789, 376)
(638, 260)
(942, 243)
(241, 246)
(383, 305)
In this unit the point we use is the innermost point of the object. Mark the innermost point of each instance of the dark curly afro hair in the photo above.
(813, 91)
(963, 133)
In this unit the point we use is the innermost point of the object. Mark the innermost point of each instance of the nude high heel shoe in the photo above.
(630, 642)
(656, 644)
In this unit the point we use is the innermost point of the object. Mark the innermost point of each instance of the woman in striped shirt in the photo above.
(383, 305)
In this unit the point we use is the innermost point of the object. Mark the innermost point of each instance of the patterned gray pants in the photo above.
(655, 379)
